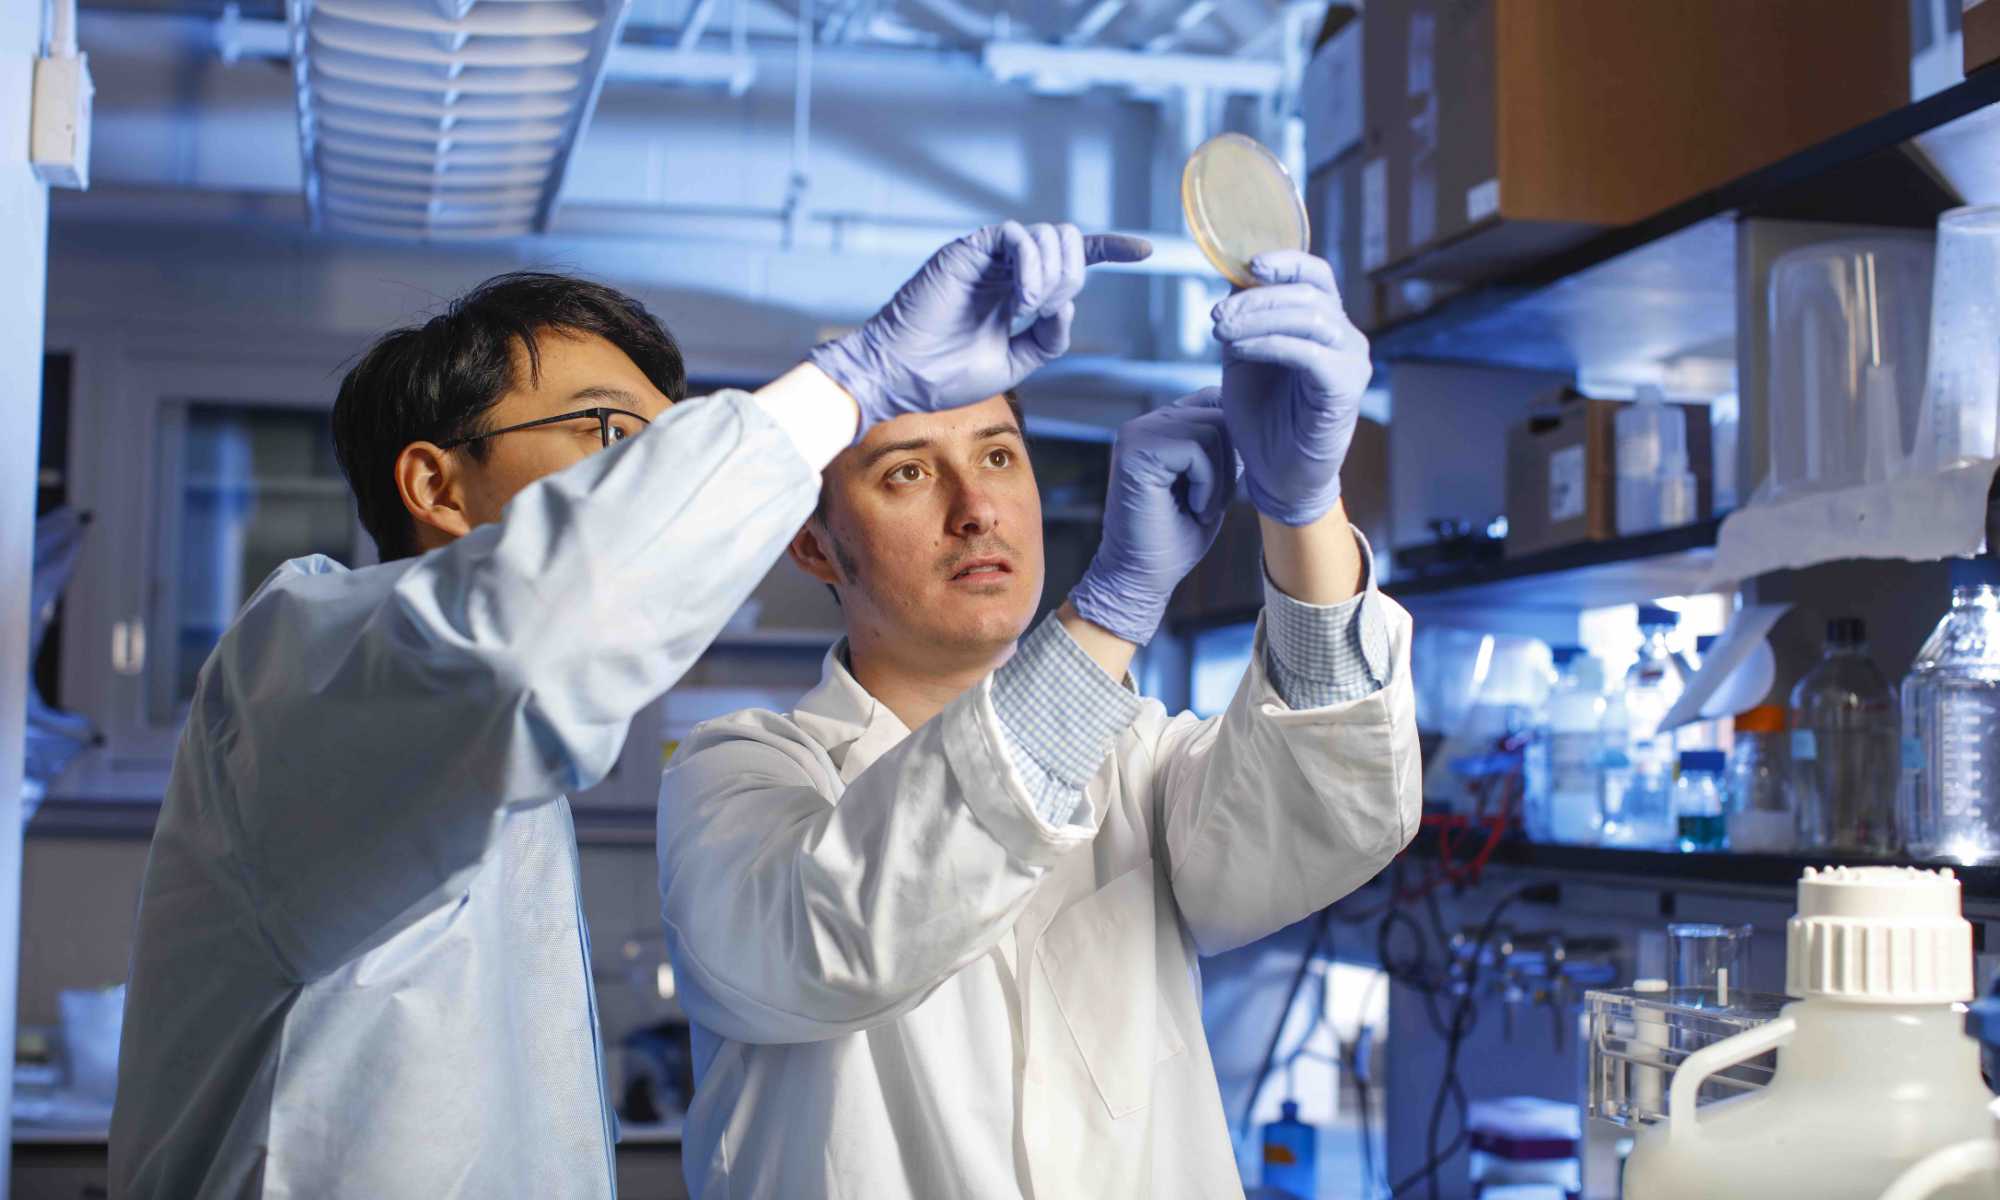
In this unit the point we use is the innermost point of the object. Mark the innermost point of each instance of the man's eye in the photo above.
(1000, 457)
(907, 473)
(619, 433)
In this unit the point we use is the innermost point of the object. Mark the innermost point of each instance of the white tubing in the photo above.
(1953, 1164)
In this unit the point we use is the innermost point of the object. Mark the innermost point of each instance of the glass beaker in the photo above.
(1709, 957)
(1962, 393)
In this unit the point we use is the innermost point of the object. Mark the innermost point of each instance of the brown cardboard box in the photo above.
(1333, 208)
(1982, 34)
(1503, 130)
(1562, 473)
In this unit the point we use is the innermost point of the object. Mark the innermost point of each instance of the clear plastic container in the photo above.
(1640, 1035)
(1656, 490)
(1758, 786)
(1710, 959)
(1849, 324)
(1561, 799)
(1951, 724)
(1962, 395)
(1846, 748)
(1637, 795)
(1699, 818)
(1723, 434)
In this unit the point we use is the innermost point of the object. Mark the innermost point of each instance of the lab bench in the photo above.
(72, 1164)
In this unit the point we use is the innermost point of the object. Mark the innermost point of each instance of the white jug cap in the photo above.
(1879, 935)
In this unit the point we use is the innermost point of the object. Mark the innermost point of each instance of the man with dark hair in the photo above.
(361, 968)
(937, 927)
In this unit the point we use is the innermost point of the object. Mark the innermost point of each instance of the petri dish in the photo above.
(1240, 202)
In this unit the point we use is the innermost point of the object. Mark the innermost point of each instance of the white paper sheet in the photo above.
(1734, 675)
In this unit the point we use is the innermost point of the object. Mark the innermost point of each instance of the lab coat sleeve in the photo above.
(797, 910)
(1270, 813)
(365, 730)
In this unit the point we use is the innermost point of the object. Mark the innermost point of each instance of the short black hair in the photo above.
(436, 381)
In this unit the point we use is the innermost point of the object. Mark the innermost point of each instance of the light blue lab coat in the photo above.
(361, 968)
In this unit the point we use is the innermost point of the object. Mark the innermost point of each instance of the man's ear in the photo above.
(811, 549)
(429, 483)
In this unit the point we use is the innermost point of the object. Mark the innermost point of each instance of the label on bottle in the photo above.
(1913, 755)
(1805, 748)
(1567, 496)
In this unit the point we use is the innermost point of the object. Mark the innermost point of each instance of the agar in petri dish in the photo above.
(1240, 202)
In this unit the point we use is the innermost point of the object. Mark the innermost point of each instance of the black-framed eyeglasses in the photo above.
(606, 426)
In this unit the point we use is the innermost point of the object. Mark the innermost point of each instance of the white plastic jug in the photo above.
(1874, 1069)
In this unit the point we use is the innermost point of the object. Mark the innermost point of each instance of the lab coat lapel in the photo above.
(852, 726)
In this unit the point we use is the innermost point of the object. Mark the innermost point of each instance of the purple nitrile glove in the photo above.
(1173, 474)
(1293, 370)
(947, 338)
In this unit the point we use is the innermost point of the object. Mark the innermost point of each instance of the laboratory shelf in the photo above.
(1667, 867)
(1627, 570)
(1666, 284)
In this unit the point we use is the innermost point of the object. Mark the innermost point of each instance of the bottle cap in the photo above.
(1653, 614)
(1288, 1111)
(1765, 718)
(1879, 935)
(1973, 572)
(1702, 760)
(1846, 631)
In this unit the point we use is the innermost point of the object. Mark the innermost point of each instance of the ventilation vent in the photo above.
(444, 118)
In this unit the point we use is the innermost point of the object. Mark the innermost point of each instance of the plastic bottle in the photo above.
(1846, 748)
(1951, 725)
(1757, 784)
(1874, 1070)
(1291, 1153)
(1656, 490)
(1641, 811)
(1698, 810)
(1561, 798)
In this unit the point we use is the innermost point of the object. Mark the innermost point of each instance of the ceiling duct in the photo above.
(444, 118)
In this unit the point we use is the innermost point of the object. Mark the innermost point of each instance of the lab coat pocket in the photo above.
(1098, 958)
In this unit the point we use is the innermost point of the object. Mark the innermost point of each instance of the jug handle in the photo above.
(1978, 1158)
(1707, 1061)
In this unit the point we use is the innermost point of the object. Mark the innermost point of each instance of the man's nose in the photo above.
(972, 509)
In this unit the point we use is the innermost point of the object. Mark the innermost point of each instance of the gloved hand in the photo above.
(1293, 370)
(948, 337)
(1172, 475)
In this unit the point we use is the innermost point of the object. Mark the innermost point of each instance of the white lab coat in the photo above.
(361, 968)
(905, 984)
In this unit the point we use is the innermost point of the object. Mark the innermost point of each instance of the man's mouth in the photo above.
(983, 568)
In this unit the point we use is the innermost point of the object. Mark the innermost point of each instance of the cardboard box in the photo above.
(1330, 89)
(1333, 210)
(1500, 131)
(1562, 473)
(1982, 34)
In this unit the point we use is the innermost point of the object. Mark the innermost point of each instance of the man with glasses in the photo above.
(361, 968)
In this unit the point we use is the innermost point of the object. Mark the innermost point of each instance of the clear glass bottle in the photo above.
(1846, 748)
(1951, 725)
(1644, 803)
(1698, 810)
(1562, 800)
(1757, 784)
